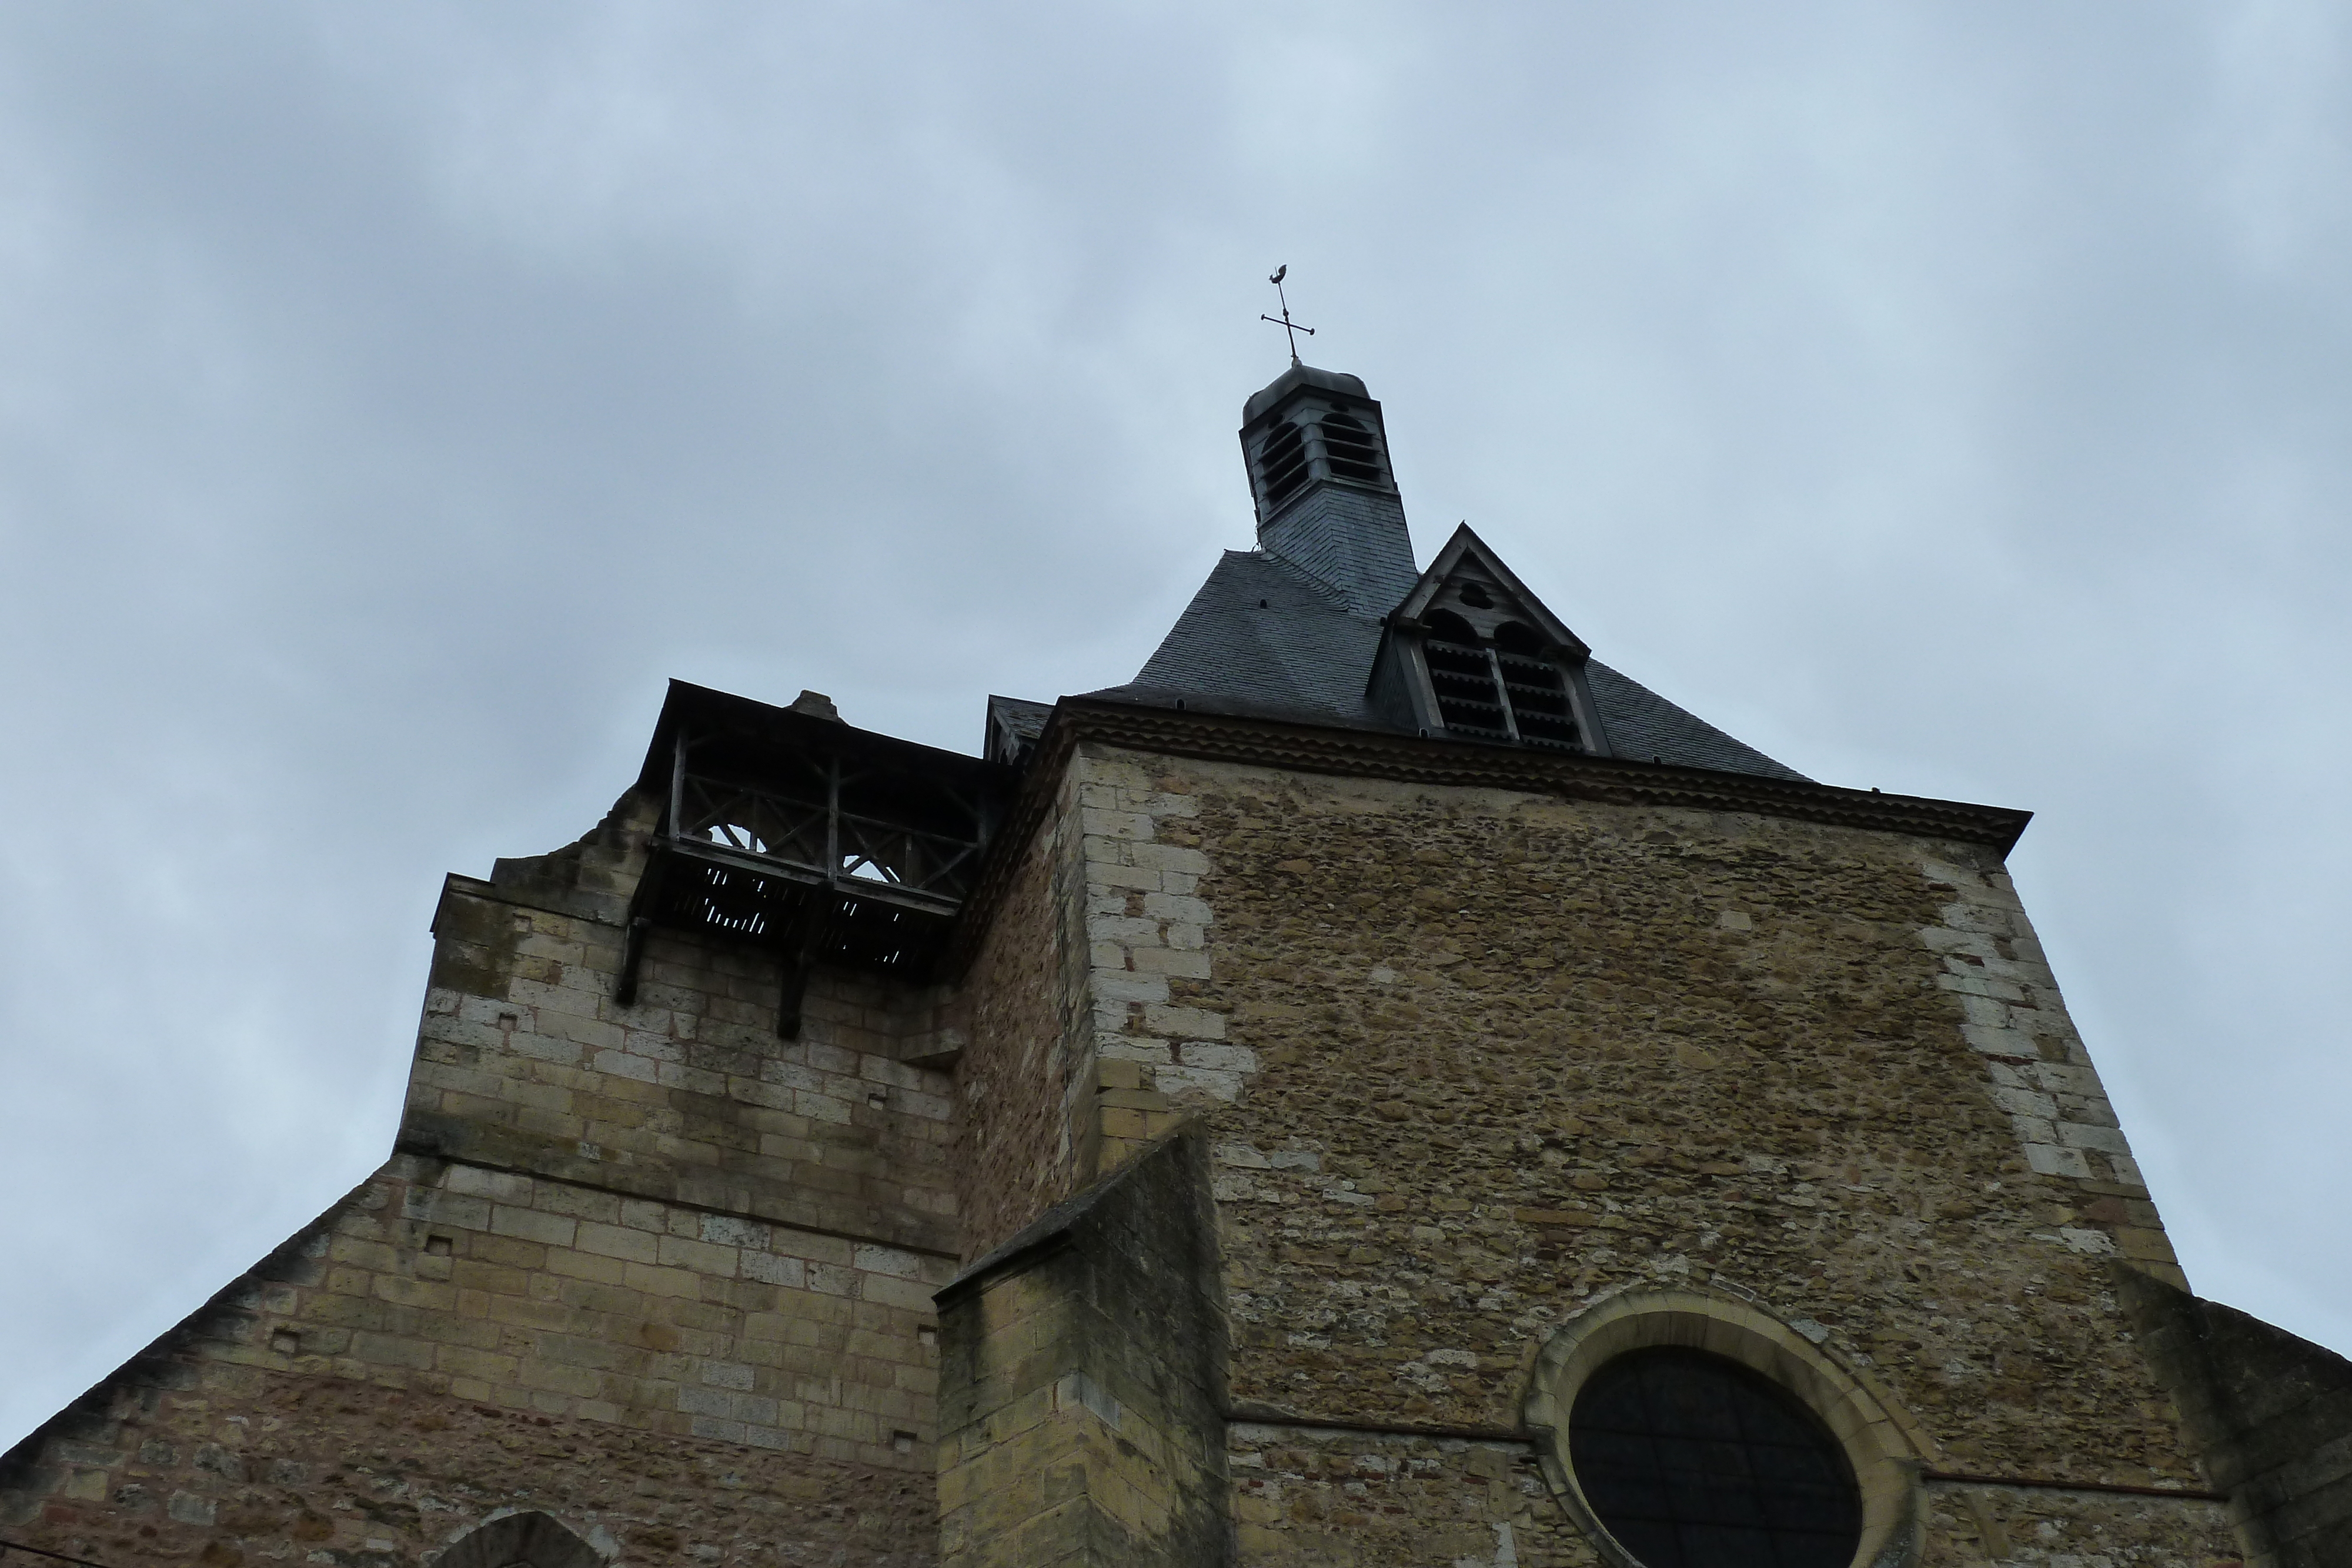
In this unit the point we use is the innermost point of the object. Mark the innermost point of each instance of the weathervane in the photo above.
(1290, 328)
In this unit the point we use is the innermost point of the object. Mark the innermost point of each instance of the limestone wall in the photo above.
(651, 1267)
(2040, 1071)
(525, 1062)
(1082, 1382)
(451, 1339)
(1315, 1494)
(2274, 1414)
(1464, 1063)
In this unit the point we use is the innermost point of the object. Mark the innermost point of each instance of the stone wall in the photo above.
(1147, 935)
(526, 1062)
(1487, 1056)
(1305, 1494)
(272, 1469)
(1082, 1395)
(2273, 1412)
(2042, 1076)
(1464, 1060)
(1076, 1045)
(652, 1266)
(451, 1339)
(1025, 1081)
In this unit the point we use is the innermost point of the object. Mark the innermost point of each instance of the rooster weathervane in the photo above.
(1290, 328)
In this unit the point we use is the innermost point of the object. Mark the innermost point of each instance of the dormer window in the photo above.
(1534, 688)
(1473, 656)
(1501, 687)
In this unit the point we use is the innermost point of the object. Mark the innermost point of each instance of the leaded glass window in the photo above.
(1692, 1460)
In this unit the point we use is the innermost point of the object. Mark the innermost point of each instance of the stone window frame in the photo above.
(1878, 1440)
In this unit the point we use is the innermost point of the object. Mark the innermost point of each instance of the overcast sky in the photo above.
(1949, 398)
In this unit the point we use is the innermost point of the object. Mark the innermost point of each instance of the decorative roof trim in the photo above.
(1373, 754)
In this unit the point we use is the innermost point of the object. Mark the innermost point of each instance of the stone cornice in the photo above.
(1380, 754)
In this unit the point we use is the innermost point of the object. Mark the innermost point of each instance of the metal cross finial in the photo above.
(1290, 328)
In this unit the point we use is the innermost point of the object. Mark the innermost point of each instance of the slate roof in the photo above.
(1263, 631)
(1014, 725)
(1264, 637)
(1646, 727)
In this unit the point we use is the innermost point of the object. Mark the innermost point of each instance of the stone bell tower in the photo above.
(1383, 1086)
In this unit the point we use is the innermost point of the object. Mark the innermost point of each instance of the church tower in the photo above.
(1380, 1087)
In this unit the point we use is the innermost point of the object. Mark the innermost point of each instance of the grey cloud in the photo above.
(1948, 398)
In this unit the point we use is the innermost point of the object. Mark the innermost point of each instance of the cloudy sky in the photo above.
(1951, 398)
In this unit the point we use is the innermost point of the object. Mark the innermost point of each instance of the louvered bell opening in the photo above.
(1539, 702)
(1281, 462)
(1462, 680)
(1538, 692)
(1352, 452)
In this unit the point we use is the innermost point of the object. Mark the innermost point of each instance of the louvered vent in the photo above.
(1464, 680)
(1353, 454)
(1281, 462)
(1504, 691)
(1533, 686)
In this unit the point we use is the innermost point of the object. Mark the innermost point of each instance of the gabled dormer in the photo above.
(1471, 654)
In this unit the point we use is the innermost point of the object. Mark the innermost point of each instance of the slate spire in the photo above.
(1318, 454)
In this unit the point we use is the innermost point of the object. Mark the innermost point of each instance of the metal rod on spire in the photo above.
(1290, 328)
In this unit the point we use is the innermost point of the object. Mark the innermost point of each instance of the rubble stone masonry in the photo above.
(1474, 1059)
(1077, 1048)
(1025, 1078)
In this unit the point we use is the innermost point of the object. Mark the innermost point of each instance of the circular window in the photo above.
(1692, 1460)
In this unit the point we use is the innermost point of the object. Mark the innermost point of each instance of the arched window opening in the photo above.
(1352, 452)
(1281, 462)
(1694, 1461)
(1445, 626)
(530, 1540)
(1518, 637)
